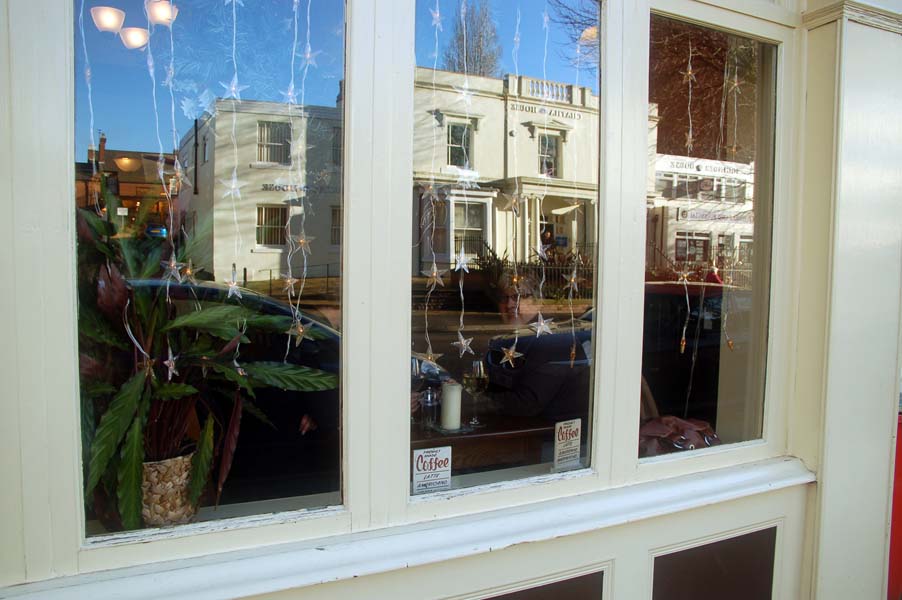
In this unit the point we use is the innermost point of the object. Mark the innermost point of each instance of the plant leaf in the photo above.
(151, 264)
(230, 442)
(113, 425)
(174, 391)
(254, 411)
(98, 226)
(234, 376)
(128, 490)
(220, 321)
(200, 464)
(94, 327)
(296, 378)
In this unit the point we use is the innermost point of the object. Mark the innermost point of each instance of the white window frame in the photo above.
(558, 152)
(258, 225)
(42, 429)
(267, 147)
(470, 130)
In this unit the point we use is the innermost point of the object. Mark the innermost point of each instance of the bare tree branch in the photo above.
(474, 46)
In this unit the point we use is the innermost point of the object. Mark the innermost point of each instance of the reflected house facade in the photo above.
(513, 137)
(284, 154)
(539, 140)
(132, 175)
(700, 213)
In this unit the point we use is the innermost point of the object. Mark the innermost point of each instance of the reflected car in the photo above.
(156, 231)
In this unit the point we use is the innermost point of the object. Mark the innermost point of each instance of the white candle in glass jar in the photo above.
(450, 405)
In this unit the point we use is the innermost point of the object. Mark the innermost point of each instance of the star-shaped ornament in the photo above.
(463, 344)
(190, 272)
(234, 290)
(288, 283)
(733, 149)
(290, 96)
(545, 19)
(173, 269)
(572, 281)
(170, 364)
(308, 58)
(464, 94)
(735, 84)
(434, 276)
(233, 89)
(689, 142)
(462, 262)
(303, 242)
(429, 356)
(239, 368)
(688, 75)
(298, 331)
(436, 17)
(510, 354)
(232, 186)
(542, 325)
(238, 2)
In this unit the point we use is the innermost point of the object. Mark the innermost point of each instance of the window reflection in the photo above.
(208, 191)
(505, 188)
(711, 111)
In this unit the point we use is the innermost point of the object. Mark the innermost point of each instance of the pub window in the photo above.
(503, 275)
(274, 142)
(209, 375)
(460, 145)
(706, 315)
(271, 222)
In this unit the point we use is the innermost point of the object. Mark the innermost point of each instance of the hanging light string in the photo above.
(516, 202)
(87, 73)
(689, 78)
(128, 331)
(429, 196)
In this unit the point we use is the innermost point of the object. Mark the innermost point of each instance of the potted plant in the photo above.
(164, 383)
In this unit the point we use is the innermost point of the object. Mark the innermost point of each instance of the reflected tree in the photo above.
(474, 47)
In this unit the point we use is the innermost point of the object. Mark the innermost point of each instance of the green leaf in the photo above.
(254, 411)
(220, 321)
(151, 264)
(97, 389)
(94, 327)
(269, 322)
(113, 425)
(232, 374)
(200, 463)
(128, 489)
(291, 377)
(174, 391)
(98, 226)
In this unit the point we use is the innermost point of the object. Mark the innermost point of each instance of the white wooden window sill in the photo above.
(287, 566)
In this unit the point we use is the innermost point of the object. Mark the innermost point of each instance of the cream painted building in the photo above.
(483, 141)
(280, 155)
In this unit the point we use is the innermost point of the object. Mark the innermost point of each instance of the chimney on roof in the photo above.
(102, 152)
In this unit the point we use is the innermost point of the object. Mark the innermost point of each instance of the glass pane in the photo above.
(209, 307)
(502, 329)
(709, 206)
(740, 568)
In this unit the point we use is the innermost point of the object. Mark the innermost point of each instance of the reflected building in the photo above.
(250, 164)
(514, 161)
(133, 176)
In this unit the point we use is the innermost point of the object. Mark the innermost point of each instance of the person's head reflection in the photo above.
(517, 303)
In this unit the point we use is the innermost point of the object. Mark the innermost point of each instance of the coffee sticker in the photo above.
(431, 469)
(567, 436)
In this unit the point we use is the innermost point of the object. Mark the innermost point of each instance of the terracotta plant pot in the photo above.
(164, 489)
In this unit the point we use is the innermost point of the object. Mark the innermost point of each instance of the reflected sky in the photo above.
(559, 65)
(202, 38)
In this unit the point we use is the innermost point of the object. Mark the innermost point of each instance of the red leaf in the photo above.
(112, 292)
(91, 368)
(230, 442)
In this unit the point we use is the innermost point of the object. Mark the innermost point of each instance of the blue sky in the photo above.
(202, 38)
(202, 35)
(532, 56)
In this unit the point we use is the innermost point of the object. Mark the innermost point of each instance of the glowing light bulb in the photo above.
(134, 37)
(161, 12)
(107, 18)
